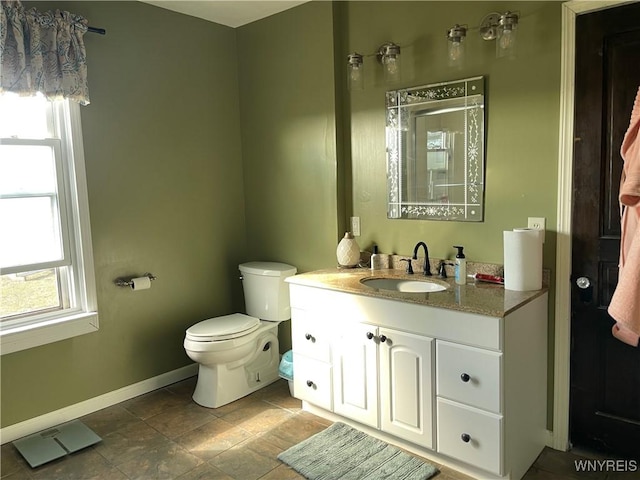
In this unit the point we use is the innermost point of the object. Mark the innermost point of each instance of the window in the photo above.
(47, 285)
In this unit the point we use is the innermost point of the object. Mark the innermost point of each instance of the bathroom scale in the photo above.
(56, 442)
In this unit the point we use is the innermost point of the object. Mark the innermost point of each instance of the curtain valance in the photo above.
(42, 52)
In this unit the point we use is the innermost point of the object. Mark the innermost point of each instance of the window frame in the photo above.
(40, 328)
(59, 197)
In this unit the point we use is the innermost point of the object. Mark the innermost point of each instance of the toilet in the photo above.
(239, 354)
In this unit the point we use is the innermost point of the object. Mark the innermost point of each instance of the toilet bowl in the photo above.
(232, 365)
(239, 353)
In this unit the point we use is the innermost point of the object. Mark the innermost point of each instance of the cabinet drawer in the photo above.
(469, 375)
(309, 335)
(470, 435)
(312, 381)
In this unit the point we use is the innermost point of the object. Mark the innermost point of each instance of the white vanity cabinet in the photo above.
(461, 388)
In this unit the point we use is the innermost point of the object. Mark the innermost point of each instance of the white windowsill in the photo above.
(22, 337)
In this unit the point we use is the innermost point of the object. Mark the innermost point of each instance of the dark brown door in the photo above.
(605, 373)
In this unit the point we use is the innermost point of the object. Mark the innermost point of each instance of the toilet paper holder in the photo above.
(128, 282)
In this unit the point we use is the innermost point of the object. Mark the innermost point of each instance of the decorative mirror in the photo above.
(435, 151)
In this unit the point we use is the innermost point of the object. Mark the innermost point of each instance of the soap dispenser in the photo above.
(461, 266)
(376, 259)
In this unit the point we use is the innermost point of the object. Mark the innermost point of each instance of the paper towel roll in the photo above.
(140, 283)
(522, 259)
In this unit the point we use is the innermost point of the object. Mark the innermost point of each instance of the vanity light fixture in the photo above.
(456, 36)
(389, 56)
(506, 46)
(355, 71)
(501, 27)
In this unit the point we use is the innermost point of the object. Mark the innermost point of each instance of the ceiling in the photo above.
(231, 13)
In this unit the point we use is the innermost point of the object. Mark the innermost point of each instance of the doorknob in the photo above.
(585, 289)
(583, 282)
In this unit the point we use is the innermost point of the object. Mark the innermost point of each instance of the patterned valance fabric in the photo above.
(42, 52)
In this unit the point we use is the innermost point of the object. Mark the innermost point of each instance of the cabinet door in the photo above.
(406, 386)
(355, 373)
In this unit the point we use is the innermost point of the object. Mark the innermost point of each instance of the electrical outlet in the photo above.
(537, 223)
(355, 226)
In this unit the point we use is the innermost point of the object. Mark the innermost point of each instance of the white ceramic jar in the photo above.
(348, 251)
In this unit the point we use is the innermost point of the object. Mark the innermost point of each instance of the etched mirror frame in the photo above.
(436, 151)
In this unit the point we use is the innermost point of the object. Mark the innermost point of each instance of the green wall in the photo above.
(164, 172)
(522, 101)
(289, 139)
(208, 146)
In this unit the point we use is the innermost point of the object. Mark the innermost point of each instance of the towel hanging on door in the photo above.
(625, 303)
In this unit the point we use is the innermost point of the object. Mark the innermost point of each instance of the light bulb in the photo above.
(456, 53)
(391, 65)
(355, 73)
(506, 40)
(356, 78)
(507, 28)
(455, 45)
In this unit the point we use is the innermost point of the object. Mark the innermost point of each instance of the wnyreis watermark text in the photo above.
(606, 465)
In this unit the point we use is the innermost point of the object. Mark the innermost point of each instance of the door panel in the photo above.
(605, 373)
(355, 374)
(406, 386)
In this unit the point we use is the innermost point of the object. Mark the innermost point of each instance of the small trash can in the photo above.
(286, 369)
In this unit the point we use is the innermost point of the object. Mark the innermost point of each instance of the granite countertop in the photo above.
(474, 297)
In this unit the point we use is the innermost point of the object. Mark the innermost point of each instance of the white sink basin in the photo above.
(403, 285)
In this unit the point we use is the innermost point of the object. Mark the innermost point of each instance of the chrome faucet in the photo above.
(427, 266)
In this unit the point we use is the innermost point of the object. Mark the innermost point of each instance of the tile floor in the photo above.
(165, 435)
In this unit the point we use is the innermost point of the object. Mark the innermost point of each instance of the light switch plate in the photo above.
(355, 226)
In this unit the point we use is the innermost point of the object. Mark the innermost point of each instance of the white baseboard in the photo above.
(550, 440)
(66, 414)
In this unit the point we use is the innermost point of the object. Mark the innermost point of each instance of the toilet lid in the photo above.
(223, 328)
(270, 269)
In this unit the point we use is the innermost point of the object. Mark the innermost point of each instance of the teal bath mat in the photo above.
(344, 453)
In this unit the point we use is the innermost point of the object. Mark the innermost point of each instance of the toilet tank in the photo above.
(266, 295)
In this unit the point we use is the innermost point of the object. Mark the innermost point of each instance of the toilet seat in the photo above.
(222, 328)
